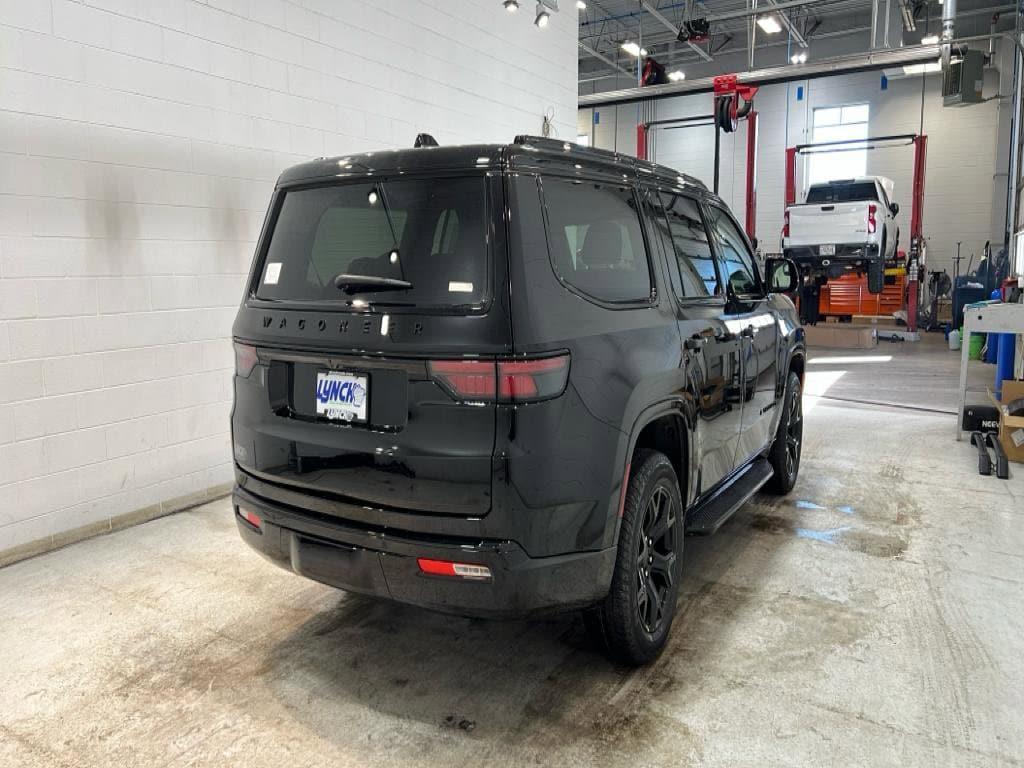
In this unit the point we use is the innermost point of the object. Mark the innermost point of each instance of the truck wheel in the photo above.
(784, 455)
(633, 621)
(876, 275)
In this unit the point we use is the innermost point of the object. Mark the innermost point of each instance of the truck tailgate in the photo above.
(814, 224)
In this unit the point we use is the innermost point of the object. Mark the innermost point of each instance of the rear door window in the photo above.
(735, 259)
(595, 239)
(431, 233)
(693, 267)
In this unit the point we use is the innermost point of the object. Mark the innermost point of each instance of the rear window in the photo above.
(842, 193)
(428, 232)
(596, 242)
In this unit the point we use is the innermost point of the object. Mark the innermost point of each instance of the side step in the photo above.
(709, 514)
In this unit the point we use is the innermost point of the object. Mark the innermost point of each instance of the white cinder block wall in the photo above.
(139, 142)
(965, 183)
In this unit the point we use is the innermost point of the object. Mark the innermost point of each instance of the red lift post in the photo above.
(916, 256)
(732, 102)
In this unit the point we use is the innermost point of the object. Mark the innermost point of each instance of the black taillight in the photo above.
(524, 380)
(245, 359)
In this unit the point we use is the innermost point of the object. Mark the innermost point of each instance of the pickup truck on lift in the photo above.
(846, 225)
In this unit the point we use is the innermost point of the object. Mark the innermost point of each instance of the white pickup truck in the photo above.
(843, 225)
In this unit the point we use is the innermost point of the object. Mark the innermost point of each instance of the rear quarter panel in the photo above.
(574, 449)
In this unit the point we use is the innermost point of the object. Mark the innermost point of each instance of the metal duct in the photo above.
(948, 19)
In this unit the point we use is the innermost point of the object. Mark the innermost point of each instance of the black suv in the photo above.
(497, 380)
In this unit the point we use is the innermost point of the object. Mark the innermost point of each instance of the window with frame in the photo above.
(735, 259)
(692, 270)
(842, 124)
(596, 243)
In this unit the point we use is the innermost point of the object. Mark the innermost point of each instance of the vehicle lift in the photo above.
(732, 102)
(916, 258)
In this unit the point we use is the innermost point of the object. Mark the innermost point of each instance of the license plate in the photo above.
(827, 250)
(342, 396)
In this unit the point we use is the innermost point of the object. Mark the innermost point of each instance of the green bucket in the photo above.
(977, 343)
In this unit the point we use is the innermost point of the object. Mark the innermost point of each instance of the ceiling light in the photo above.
(798, 58)
(922, 68)
(511, 5)
(676, 75)
(633, 49)
(543, 17)
(581, 5)
(769, 24)
(929, 40)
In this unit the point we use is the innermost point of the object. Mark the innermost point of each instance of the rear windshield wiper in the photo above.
(368, 283)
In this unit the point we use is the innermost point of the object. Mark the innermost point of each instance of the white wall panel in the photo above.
(139, 143)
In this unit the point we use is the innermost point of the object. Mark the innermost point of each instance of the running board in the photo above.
(709, 514)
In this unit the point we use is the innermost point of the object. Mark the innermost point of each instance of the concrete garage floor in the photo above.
(874, 617)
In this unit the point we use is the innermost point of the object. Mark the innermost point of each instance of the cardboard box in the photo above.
(1011, 428)
(841, 335)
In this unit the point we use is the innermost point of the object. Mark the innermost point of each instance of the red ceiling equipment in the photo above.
(732, 103)
(916, 255)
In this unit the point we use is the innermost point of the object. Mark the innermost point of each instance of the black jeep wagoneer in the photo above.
(494, 380)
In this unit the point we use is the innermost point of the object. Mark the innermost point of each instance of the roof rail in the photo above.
(559, 145)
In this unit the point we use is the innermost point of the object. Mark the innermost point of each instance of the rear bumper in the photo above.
(846, 253)
(382, 563)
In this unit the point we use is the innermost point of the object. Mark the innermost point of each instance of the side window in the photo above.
(734, 258)
(595, 239)
(694, 263)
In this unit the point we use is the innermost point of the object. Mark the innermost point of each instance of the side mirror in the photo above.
(783, 275)
(753, 243)
(895, 208)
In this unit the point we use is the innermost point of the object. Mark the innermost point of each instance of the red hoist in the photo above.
(732, 103)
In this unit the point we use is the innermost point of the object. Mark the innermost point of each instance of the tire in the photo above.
(633, 621)
(876, 275)
(784, 455)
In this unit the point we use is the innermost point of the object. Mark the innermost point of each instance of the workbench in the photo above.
(991, 318)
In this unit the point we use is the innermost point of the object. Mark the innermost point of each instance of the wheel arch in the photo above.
(666, 427)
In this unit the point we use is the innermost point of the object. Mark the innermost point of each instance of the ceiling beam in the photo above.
(788, 24)
(838, 65)
(601, 57)
(660, 18)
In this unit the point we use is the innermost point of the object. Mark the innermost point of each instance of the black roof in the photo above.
(524, 153)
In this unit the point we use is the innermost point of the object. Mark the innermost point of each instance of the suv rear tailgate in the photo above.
(340, 402)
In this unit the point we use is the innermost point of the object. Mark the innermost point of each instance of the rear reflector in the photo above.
(245, 359)
(250, 517)
(447, 568)
(504, 381)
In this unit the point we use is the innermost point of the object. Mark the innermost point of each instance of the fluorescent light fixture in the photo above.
(929, 40)
(676, 75)
(799, 58)
(543, 17)
(511, 5)
(633, 49)
(580, 5)
(922, 68)
(769, 24)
